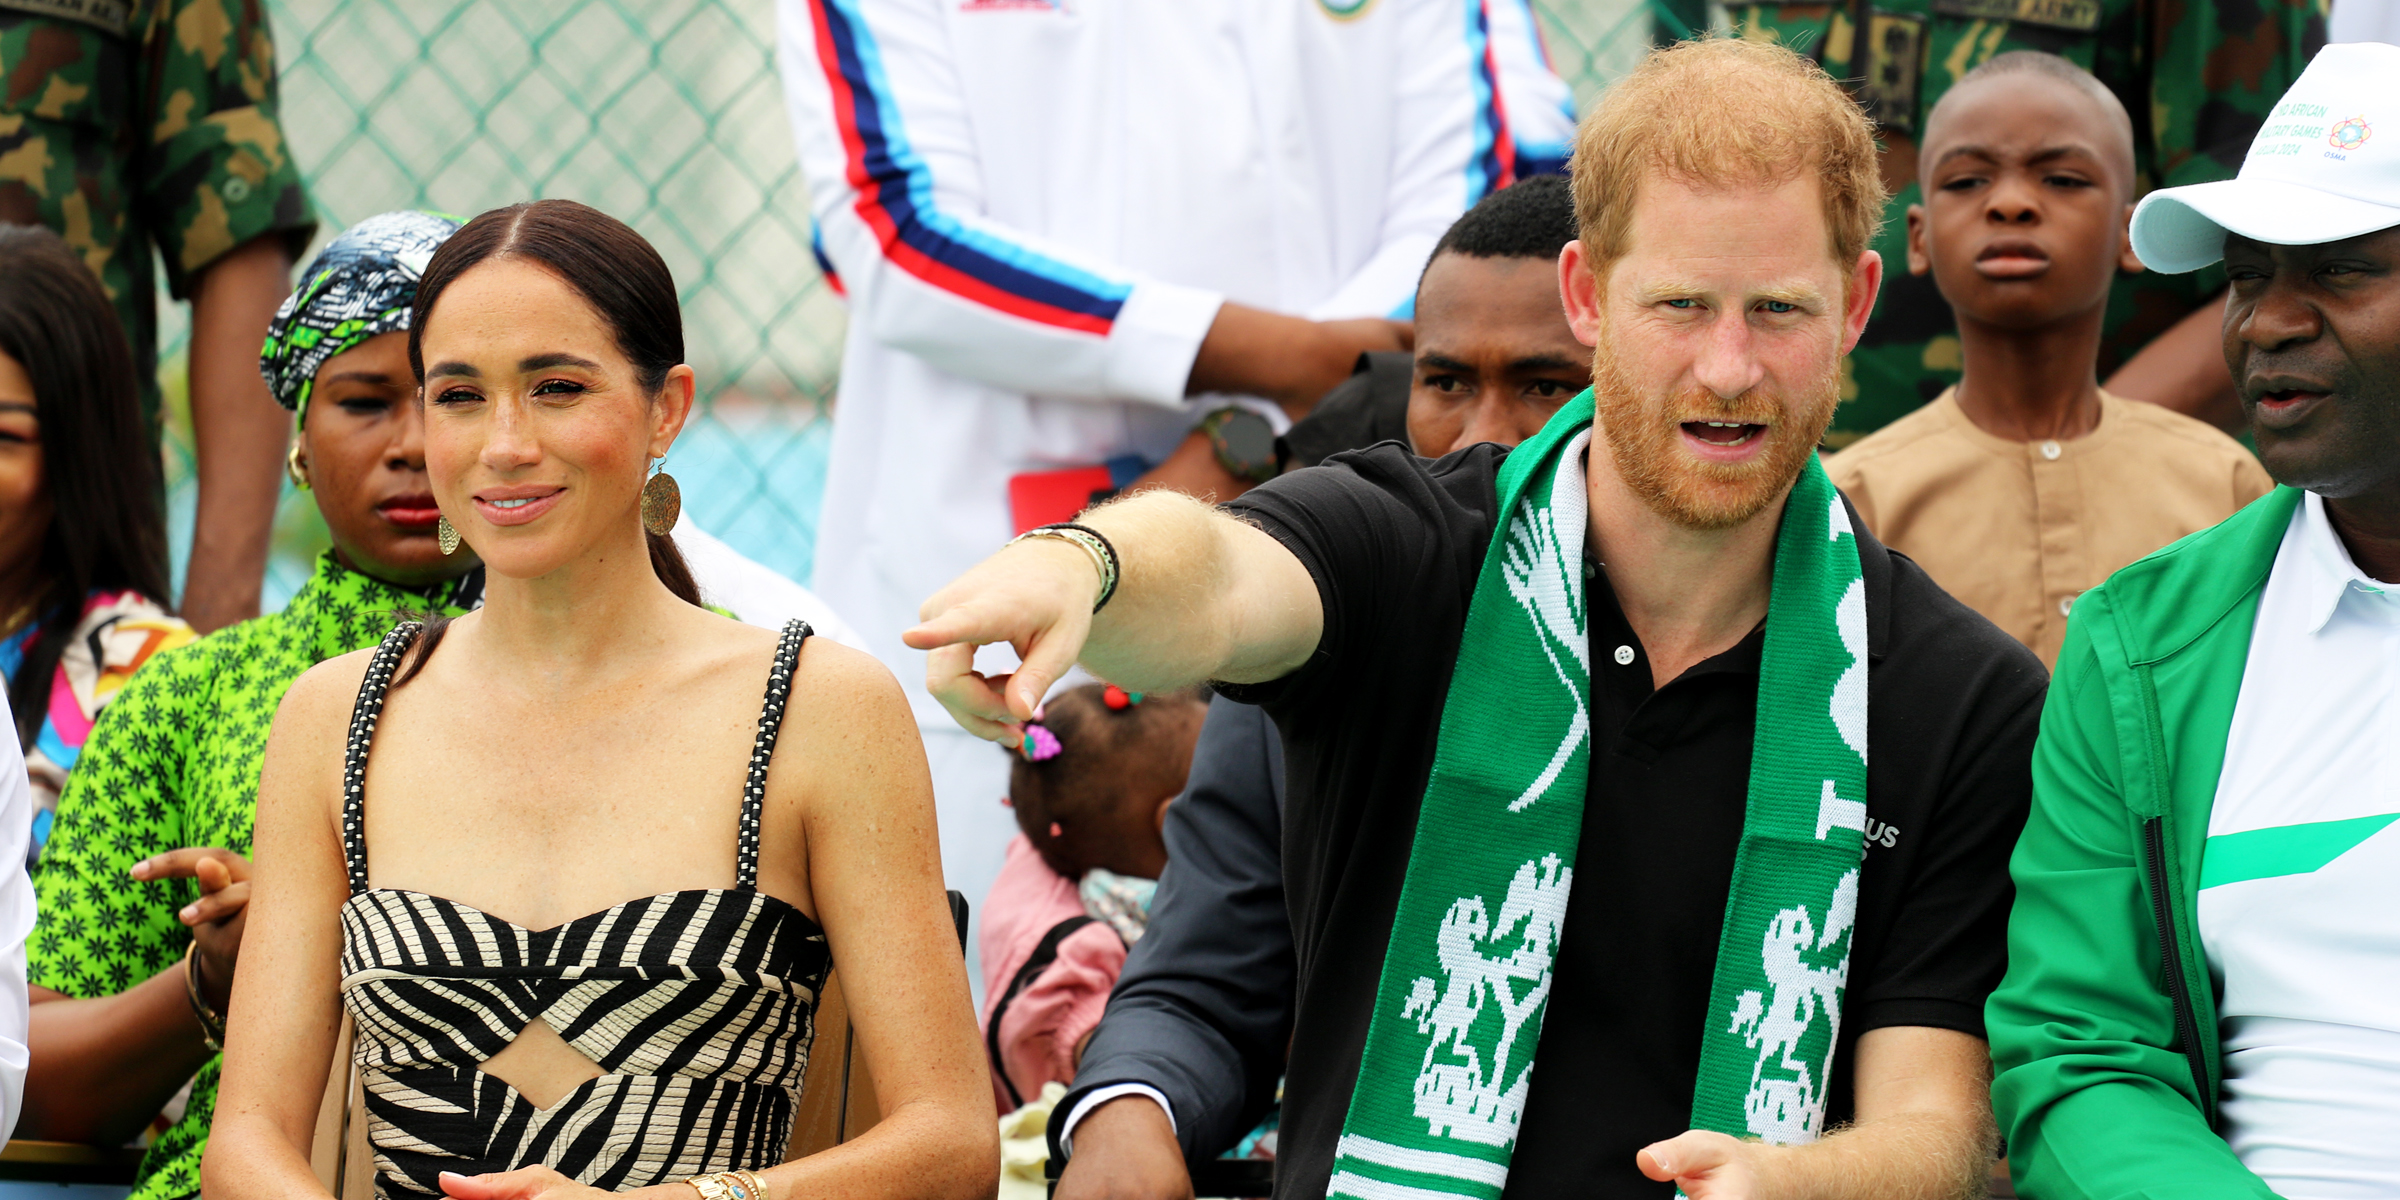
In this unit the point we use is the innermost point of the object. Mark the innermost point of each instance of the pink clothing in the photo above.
(1044, 1021)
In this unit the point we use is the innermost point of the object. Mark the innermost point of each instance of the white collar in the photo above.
(2327, 574)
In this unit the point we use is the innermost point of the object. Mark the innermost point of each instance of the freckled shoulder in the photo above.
(833, 677)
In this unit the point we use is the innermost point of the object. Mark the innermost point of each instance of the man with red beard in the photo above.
(1635, 717)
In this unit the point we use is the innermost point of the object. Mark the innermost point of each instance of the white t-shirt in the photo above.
(2300, 881)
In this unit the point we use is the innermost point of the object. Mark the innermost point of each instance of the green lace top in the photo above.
(174, 762)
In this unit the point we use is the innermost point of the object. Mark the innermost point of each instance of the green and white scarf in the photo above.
(1466, 978)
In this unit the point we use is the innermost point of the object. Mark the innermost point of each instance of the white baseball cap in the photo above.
(2325, 166)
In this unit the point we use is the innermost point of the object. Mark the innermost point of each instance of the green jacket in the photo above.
(2104, 1032)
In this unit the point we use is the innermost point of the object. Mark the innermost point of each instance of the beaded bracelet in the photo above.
(1104, 555)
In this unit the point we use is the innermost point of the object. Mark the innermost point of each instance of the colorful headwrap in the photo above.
(360, 285)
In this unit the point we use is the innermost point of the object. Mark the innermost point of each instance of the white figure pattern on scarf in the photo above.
(1457, 1091)
(1788, 1107)
(1542, 563)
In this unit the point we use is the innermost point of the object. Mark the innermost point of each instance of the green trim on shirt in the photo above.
(2284, 849)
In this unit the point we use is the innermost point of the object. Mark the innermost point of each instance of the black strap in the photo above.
(1045, 952)
(363, 716)
(762, 752)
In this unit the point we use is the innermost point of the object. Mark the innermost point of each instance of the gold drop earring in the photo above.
(445, 535)
(292, 468)
(662, 499)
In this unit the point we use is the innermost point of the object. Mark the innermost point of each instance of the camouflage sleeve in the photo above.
(2199, 78)
(2217, 68)
(99, 931)
(219, 172)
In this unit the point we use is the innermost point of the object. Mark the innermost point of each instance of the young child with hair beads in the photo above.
(1090, 787)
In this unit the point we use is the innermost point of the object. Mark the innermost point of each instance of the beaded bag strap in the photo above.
(762, 752)
(363, 716)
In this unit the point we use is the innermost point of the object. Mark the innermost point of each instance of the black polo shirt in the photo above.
(1394, 543)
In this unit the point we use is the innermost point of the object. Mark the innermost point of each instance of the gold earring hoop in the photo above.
(662, 500)
(445, 535)
(292, 468)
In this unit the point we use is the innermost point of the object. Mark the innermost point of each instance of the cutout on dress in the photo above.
(542, 1066)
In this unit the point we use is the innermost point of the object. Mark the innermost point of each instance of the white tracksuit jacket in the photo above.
(1035, 208)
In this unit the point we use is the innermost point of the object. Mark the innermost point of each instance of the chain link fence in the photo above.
(669, 115)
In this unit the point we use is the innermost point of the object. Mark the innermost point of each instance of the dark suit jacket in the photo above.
(1203, 1011)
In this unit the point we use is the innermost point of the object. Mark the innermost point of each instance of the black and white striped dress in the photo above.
(698, 1007)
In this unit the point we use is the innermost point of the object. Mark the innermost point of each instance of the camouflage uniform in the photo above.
(2197, 76)
(128, 123)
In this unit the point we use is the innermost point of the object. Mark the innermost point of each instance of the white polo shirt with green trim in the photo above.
(2300, 881)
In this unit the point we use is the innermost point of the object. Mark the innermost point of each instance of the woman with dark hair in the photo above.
(83, 537)
(587, 854)
(144, 884)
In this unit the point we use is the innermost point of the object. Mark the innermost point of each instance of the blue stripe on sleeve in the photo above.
(1483, 166)
(903, 188)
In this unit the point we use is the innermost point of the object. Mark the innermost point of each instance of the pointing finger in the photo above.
(950, 626)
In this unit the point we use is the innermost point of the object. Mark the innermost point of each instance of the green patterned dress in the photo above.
(174, 762)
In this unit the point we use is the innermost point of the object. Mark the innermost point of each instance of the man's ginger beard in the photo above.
(1644, 436)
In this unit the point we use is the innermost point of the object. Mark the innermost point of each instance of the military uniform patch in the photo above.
(1895, 59)
(114, 16)
(2082, 16)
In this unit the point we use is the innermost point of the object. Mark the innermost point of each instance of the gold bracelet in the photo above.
(212, 1023)
(729, 1185)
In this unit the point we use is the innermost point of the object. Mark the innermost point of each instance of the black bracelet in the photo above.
(1093, 542)
(212, 1026)
(1116, 566)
